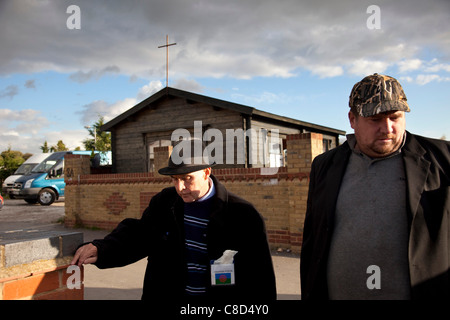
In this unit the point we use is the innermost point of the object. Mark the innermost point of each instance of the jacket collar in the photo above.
(416, 168)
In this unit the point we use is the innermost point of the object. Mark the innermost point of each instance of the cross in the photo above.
(167, 45)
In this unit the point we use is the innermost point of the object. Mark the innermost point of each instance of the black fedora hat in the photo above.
(187, 156)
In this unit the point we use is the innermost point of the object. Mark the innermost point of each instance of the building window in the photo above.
(327, 144)
(272, 149)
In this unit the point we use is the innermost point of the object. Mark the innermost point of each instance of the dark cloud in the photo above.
(30, 84)
(82, 77)
(9, 92)
(240, 39)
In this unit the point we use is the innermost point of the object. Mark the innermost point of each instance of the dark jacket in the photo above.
(427, 167)
(159, 235)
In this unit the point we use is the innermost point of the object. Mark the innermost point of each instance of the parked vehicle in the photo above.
(45, 183)
(24, 169)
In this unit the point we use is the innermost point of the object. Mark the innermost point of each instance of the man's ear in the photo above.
(207, 172)
(352, 118)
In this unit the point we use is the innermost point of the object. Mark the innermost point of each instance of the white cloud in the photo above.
(324, 71)
(10, 133)
(363, 67)
(92, 111)
(20, 129)
(255, 100)
(8, 117)
(409, 65)
(438, 67)
(71, 138)
(406, 79)
(188, 85)
(32, 143)
(149, 89)
(27, 130)
(423, 79)
(426, 78)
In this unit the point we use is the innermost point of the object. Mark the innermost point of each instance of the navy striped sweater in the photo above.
(196, 218)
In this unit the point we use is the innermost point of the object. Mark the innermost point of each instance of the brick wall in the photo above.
(34, 265)
(279, 194)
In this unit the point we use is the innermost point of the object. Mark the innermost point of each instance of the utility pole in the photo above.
(167, 45)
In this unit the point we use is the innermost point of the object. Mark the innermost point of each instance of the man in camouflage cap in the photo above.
(377, 223)
(377, 114)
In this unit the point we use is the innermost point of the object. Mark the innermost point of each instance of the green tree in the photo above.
(26, 156)
(60, 146)
(101, 140)
(45, 148)
(10, 160)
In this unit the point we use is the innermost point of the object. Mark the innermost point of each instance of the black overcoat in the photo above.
(427, 167)
(159, 235)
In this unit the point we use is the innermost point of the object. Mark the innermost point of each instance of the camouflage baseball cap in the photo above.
(376, 94)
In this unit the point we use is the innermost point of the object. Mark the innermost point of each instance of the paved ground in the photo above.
(123, 283)
(17, 215)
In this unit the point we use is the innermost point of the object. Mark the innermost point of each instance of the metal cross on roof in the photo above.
(167, 45)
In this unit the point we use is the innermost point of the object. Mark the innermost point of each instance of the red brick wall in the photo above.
(50, 284)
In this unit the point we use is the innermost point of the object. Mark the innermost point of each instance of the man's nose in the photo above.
(386, 126)
(179, 184)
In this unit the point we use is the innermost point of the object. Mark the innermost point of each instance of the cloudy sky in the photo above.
(295, 58)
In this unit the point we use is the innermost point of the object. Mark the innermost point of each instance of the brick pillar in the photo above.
(75, 165)
(162, 155)
(35, 266)
(301, 151)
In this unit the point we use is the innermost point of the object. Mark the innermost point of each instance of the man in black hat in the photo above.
(377, 223)
(184, 230)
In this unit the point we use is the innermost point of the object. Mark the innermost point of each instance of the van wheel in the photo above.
(46, 197)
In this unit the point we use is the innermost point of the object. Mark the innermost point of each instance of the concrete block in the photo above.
(27, 246)
(31, 250)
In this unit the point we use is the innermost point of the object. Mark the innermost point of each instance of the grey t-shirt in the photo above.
(369, 248)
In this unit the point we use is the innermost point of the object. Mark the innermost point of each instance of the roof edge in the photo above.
(243, 109)
(168, 91)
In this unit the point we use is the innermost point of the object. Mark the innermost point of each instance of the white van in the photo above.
(24, 169)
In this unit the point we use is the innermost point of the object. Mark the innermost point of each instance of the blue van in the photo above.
(24, 169)
(45, 183)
